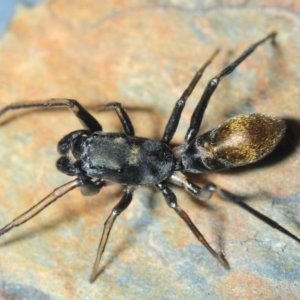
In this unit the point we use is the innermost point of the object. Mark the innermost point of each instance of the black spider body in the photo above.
(97, 158)
(118, 158)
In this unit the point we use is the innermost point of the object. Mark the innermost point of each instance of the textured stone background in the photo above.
(143, 54)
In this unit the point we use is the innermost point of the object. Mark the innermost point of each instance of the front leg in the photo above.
(87, 120)
(36, 209)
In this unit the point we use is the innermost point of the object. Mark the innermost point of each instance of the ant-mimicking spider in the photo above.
(95, 157)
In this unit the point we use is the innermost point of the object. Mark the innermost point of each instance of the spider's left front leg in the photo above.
(172, 202)
(36, 209)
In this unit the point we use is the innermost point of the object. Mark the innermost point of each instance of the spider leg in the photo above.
(121, 206)
(176, 114)
(81, 113)
(204, 193)
(172, 202)
(197, 116)
(122, 114)
(225, 195)
(36, 209)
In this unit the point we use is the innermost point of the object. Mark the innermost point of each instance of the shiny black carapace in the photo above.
(96, 158)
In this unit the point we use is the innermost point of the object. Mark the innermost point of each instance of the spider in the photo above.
(95, 157)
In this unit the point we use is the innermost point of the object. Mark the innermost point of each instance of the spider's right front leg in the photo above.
(81, 113)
